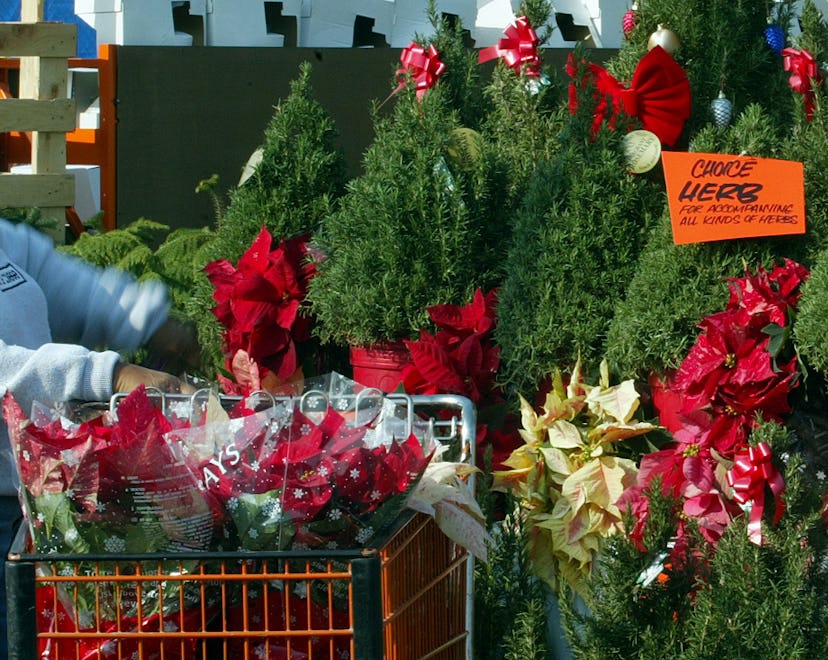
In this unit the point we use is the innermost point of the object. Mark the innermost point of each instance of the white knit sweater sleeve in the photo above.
(56, 372)
(97, 308)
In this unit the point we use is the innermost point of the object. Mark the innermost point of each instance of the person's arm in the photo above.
(56, 372)
(87, 305)
(65, 372)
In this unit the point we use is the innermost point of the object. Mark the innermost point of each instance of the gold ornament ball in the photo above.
(665, 38)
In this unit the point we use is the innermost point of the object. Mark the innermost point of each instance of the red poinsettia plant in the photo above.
(735, 375)
(109, 485)
(260, 304)
(461, 357)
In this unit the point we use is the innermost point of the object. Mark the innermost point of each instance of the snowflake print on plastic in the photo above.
(66, 571)
(323, 471)
(70, 457)
(332, 545)
(233, 503)
(342, 404)
(272, 508)
(260, 652)
(85, 618)
(181, 409)
(26, 455)
(108, 648)
(114, 544)
(299, 493)
(820, 475)
(170, 626)
(334, 514)
(41, 518)
(305, 429)
(253, 533)
(376, 495)
(254, 465)
(364, 534)
(354, 473)
(71, 535)
(100, 507)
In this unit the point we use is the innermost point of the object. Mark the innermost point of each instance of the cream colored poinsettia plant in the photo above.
(567, 476)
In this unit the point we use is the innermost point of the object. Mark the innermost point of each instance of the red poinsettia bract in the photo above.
(258, 303)
(733, 375)
(460, 358)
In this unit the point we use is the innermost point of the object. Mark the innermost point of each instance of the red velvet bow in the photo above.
(804, 72)
(519, 49)
(659, 95)
(424, 67)
(752, 469)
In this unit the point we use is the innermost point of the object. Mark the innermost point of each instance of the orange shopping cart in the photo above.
(409, 595)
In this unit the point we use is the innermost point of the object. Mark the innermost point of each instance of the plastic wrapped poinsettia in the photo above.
(328, 465)
(104, 487)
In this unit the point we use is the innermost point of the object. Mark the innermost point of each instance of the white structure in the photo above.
(336, 23)
(327, 23)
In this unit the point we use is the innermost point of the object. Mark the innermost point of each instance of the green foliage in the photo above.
(522, 127)
(811, 327)
(509, 602)
(301, 172)
(625, 617)
(408, 233)
(130, 248)
(461, 78)
(814, 31)
(575, 246)
(749, 601)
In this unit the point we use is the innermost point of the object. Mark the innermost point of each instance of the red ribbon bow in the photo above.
(752, 469)
(519, 49)
(659, 95)
(423, 65)
(804, 72)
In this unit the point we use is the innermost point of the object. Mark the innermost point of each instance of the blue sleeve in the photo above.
(98, 308)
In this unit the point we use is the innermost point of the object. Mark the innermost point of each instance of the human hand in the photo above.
(176, 342)
(128, 377)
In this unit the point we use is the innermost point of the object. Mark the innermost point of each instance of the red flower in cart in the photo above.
(316, 479)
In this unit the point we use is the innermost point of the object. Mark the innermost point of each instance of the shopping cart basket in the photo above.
(409, 596)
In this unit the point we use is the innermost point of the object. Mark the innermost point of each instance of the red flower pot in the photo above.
(379, 365)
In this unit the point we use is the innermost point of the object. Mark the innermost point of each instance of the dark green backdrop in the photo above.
(186, 113)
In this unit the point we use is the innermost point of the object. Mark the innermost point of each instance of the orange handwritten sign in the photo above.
(714, 197)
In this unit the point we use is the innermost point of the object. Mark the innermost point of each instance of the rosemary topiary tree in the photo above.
(294, 185)
(675, 286)
(574, 249)
(411, 230)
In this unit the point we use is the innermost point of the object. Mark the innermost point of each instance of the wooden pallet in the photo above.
(43, 108)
